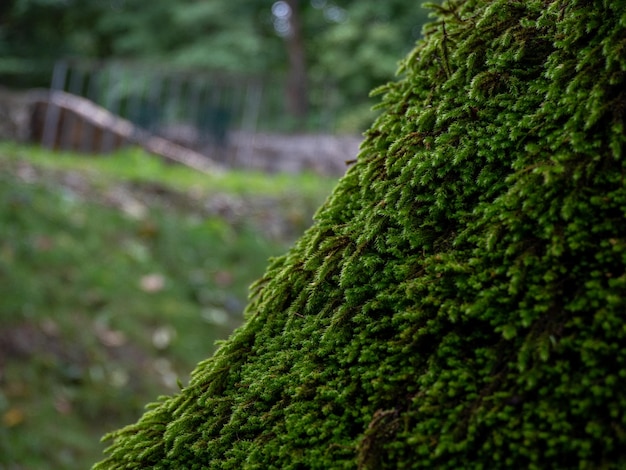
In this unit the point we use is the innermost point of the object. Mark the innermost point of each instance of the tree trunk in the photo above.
(297, 90)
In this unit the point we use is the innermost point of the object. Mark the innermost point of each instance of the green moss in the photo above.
(460, 301)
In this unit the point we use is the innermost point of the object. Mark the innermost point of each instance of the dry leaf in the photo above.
(152, 282)
(12, 417)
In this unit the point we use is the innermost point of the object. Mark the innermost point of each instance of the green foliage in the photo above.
(217, 35)
(114, 283)
(356, 62)
(235, 36)
(459, 302)
(303, 190)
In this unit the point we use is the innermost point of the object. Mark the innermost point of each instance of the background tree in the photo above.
(357, 48)
(34, 33)
(350, 46)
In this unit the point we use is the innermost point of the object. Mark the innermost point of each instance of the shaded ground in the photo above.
(271, 215)
(111, 290)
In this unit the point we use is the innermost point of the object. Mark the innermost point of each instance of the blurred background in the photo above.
(120, 267)
(323, 56)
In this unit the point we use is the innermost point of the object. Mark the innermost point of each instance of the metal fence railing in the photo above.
(198, 108)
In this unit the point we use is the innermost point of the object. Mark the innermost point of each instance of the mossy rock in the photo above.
(460, 301)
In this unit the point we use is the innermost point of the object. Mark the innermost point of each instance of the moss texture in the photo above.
(460, 301)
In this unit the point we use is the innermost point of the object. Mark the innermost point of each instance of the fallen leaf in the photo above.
(152, 283)
(223, 278)
(63, 405)
(43, 243)
(109, 337)
(12, 417)
(163, 336)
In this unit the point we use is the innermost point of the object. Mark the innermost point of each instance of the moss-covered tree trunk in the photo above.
(460, 301)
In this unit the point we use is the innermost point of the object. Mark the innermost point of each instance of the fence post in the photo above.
(114, 88)
(252, 107)
(67, 138)
(92, 77)
(53, 113)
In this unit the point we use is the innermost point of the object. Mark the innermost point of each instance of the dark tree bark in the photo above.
(297, 89)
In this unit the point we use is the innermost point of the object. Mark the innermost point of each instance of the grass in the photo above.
(134, 164)
(107, 301)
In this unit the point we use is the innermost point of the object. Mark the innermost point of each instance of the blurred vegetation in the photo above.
(351, 46)
(117, 275)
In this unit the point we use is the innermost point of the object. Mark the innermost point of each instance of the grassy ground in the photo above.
(117, 275)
